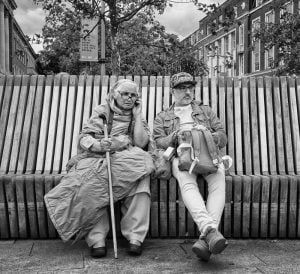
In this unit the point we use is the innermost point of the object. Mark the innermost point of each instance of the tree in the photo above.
(285, 38)
(117, 13)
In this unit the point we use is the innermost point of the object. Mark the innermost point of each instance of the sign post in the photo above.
(89, 40)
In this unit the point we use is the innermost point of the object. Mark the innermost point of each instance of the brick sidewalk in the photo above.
(159, 256)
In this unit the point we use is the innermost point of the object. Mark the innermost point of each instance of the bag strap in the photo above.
(212, 148)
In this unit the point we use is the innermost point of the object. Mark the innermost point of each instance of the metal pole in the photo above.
(102, 39)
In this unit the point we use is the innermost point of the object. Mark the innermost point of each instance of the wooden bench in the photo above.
(41, 117)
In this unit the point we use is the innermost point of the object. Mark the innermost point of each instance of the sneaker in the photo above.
(135, 250)
(98, 252)
(215, 240)
(200, 248)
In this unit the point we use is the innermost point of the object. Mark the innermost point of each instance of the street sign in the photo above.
(89, 40)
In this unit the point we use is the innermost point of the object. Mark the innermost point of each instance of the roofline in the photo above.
(24, 37)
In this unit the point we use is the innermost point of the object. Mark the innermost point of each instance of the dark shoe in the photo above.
(135, 250)
(216, 242)
(98, 252)
(200, 248)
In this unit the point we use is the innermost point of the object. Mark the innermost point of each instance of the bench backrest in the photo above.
(41, 117)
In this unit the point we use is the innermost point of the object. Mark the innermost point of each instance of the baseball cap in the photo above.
(182, 78)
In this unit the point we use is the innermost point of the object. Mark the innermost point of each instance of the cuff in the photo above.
(87, 141)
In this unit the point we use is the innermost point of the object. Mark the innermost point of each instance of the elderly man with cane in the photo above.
(196, 134)
(78, 205)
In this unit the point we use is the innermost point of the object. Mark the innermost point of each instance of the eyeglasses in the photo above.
(125, 95)
(191, 88)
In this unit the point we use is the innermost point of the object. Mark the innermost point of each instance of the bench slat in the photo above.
(10, 192)
(166, 94)
(61, 120)
(154, 229)
(294, 124)
(144, 96)
(172, 207)
(205, 91)
(42, 145)
(68, 136)
(254, 127)
(159, 95)
(270, 126)
(292, 207)
(25, 138)
(283, 208)
(163, 208)
(78, 113)
(53, 124)
(278, 127)
(2, 88)
(10, 127)
(264, 204)
(237, 126)
(151, 102)
(222, 104)
(230, 123)
(262, 127)
(18, 132)
(31, 206)
(213, 95)
(35, 126)
(198, 91)
(4, 224)
(247, 151)
(255, 206)
(246, 206)
(286, 126)
(22, 211)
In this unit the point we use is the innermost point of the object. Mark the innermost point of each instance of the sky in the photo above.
(181, 19)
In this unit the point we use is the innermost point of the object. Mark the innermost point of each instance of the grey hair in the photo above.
(120, 82)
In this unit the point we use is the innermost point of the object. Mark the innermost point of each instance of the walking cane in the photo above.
(111, 199)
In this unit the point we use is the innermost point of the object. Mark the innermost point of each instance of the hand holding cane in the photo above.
(111, 199)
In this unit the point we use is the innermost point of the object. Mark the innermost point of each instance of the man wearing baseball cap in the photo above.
(183, 115)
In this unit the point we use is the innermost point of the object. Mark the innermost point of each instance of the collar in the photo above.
(196, 107)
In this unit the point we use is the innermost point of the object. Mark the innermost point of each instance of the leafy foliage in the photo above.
(135, 42)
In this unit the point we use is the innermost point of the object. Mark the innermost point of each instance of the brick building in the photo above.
(227, 50)
(16, 54)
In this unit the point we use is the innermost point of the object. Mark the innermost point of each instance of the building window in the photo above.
(208, 29)
(200, 53)
(220, 20)
(241, 64)
(269, 58)
(256, 56)
(241, 35)
(233, 41)
(269, 18)
(258, 3)
(235, 9)
(256, 46)
(286, 8)
(226, 44)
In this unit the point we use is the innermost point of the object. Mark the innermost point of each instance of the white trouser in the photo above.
(208, 216)
(134, 224)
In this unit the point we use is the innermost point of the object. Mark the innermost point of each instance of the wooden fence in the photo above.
(41, 117)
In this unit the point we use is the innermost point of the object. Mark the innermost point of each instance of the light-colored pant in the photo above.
(208, 216)
(134, 224)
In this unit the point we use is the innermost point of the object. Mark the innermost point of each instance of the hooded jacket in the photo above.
(76, 204)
